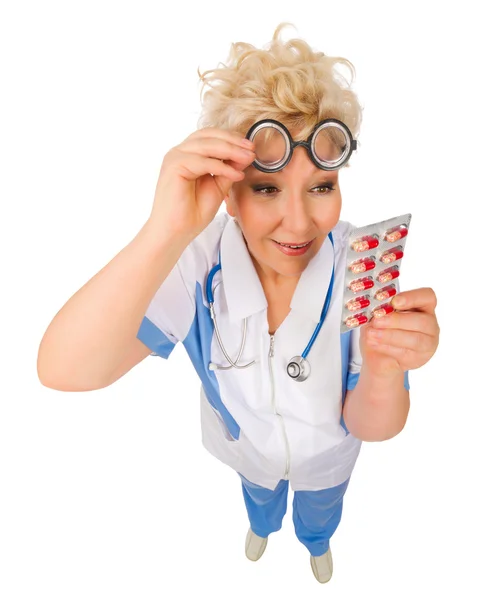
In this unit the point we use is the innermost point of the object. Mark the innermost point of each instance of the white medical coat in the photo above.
(258, 420)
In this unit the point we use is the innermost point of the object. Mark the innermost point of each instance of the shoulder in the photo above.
(202, 253)
(341, 234)
(342, 231)
(208, 241)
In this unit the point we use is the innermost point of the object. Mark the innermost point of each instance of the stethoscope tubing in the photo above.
(322, 316)
(218, 337)
(209, 295)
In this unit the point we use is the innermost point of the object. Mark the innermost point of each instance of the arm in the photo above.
(92, 339)
(377, 408)
(92, 335)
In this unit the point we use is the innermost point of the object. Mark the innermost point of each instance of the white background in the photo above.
(109, 494)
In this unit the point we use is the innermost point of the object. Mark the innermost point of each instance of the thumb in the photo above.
(224, 183)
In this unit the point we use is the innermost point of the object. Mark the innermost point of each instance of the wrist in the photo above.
(382, 378)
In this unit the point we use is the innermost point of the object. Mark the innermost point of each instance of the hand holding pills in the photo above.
(406, 338)
(400, 330)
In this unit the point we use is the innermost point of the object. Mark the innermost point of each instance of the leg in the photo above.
(316, 516)
(265, 508)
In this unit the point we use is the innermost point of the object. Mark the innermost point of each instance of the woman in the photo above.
(246, 290)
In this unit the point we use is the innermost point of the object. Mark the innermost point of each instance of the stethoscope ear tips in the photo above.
(298, 368)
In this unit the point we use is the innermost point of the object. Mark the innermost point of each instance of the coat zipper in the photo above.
(270, 356)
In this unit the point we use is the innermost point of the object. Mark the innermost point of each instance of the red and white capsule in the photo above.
(396, 233)
(366, 242)
(359, 285)
(356, 320)
(385, 293)
(391, 255)
(363, 264)
(388, 275)
(358, 303)
(382, 310)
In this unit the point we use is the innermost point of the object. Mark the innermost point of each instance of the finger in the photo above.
(218, 148)
(224, 184)
(225, 151)
(193, 166)
(234, 137)
(422, 299)
(411, 321)
(238, 165)
(410, 340)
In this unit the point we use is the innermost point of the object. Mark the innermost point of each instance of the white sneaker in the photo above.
(322, 566)
(254, 545)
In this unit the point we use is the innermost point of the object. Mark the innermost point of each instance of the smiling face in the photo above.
(299, 204)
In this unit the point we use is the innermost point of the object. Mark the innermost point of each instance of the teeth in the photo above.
(294, 247)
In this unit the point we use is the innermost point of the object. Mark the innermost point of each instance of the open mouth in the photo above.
(293, 246)
(293, 249)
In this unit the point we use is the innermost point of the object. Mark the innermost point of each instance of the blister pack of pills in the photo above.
(373, 264)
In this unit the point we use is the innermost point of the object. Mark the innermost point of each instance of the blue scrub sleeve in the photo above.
(157, 341)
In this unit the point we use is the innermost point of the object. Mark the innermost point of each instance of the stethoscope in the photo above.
(299, 367)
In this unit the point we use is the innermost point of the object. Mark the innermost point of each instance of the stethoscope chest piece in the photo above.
(298, 368)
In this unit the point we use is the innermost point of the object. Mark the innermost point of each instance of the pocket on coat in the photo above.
(226, 433)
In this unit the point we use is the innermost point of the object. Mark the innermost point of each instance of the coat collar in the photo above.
(244, 292)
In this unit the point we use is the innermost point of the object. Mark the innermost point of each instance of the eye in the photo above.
(325, 187)
(263, 190)
(268, 190)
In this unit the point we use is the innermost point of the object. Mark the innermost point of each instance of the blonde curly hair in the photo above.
(289, 81)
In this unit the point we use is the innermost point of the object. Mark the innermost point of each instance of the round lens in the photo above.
(271, 147)
(330, 145)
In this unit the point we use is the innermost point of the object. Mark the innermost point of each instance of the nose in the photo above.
(297, 208)
(297, 217)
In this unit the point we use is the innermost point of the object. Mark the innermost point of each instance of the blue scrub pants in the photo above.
(316, 514)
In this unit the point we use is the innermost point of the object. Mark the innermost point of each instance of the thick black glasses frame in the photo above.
(291, 145)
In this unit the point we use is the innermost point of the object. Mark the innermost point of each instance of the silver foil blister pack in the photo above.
(373, 265)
